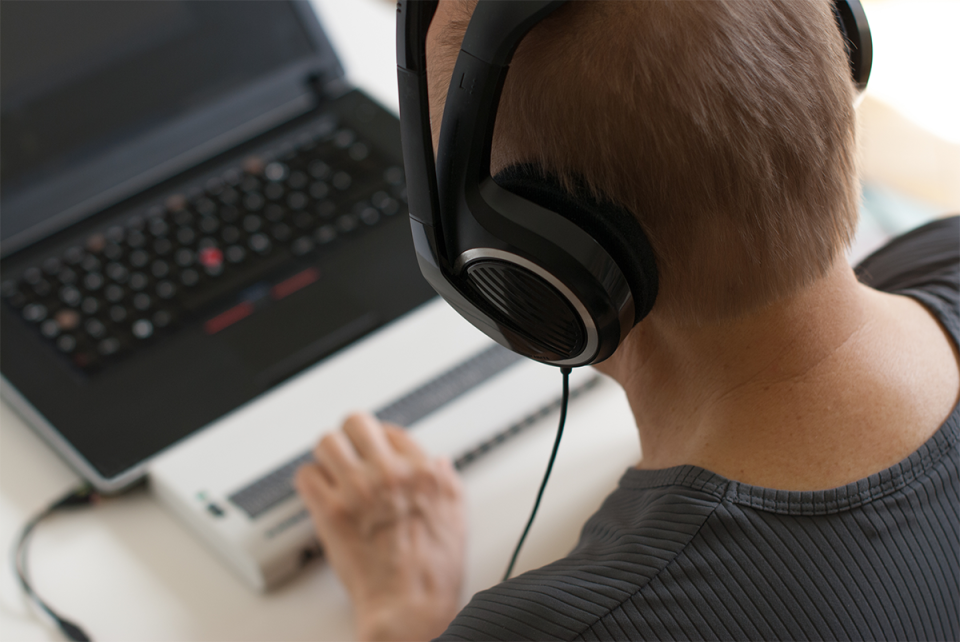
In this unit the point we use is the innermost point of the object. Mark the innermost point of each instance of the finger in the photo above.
(337, 457)
(404, 444)
(318, 496)
(367, 436)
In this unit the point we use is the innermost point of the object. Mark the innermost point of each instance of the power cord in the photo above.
(564, 402)
(80, 496)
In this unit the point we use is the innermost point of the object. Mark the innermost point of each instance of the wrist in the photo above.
(404, 620)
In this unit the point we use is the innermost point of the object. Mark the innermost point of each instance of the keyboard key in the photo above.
(205, 207)
(230, 234)
(52, 265)
(250, 183)
(183, 218)
(319, 190)
(95, 328)
(138, 281)
(67, 319)
(109, 346)
(302, 245)
(115, 234)
(326, 209)
(50, 328)
(370, 215)
(142, 301)
(66, 343)
(35, 312)
(160, 268)
(42, 288)
(158, 227)
(118, 313)
(95, 243)
(394, 176)
(113, 293)
(325, 234)
(235, 254)
(32, 276)
(298, 180)
(273, 191)
(184, 257)
(273, 212)
(229, 196)
(112, 252)
(259, 243)
(281, 232)
(186, 236)
(93, 281)
(341, 181)
(275, 171)
(347, 223)
(90, 263)
(344, 138)
(303, 220)
(139, 258)
(136, 239)
(229, 214)
(319, 169)
(252, 223)
(70, 296)
(142, 329)
(67, 276)
(162, 246)
(297, 200)
(74, 255)
(90, 305)
(208, 224)
(358, 152)
(253, 202)
(165, 290)
(162, 319)
(117, 272)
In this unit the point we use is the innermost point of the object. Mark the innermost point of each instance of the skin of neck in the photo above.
(810, 392)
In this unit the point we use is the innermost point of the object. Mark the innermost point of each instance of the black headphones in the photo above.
(557, 277)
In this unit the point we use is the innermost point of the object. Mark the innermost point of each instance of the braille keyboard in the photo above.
(139, 278)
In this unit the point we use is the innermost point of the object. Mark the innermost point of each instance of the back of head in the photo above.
(725, 126)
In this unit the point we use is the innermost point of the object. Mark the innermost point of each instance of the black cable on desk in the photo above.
(80, 496)
(564, 402)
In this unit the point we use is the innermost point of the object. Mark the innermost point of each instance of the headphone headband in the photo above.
(543, 277)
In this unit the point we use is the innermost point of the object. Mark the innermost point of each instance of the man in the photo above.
(799, 428)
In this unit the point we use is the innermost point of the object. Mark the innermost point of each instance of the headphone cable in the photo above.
(80, 496)
(564, 402)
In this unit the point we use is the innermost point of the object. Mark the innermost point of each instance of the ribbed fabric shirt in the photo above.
(683, 553)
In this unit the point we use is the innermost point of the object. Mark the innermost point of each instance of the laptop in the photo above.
(206, 263)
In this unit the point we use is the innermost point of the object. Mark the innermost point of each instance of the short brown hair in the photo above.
(726, 126)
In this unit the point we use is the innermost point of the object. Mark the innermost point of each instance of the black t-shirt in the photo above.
(684, 553)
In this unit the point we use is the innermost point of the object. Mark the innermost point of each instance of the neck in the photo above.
(807, 393)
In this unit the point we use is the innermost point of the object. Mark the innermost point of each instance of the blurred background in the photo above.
(910, 131)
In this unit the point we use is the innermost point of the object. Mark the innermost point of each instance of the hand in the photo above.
(391, 523)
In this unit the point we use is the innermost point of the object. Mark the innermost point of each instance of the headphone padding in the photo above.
(614, 228)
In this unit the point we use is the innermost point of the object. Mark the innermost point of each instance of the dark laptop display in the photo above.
(194, 207)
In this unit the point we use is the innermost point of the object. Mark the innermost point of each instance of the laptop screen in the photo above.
(80, 79)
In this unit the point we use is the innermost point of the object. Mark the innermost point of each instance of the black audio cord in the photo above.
(564, 402)
(81, 496)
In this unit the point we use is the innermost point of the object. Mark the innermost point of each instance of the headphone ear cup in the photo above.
(614, 228)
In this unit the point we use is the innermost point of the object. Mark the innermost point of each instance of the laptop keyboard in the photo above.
(136, 281)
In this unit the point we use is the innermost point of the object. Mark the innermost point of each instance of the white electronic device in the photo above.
(459, 394)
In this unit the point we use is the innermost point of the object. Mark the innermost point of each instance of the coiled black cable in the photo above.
(79, 497)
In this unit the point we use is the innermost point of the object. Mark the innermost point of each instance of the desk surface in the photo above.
(127, 569)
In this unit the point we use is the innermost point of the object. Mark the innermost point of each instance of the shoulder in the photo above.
(924, 255)
(639, 530)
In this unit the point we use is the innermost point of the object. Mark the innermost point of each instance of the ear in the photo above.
(614, 228)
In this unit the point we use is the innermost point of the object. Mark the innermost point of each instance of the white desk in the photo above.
(128, 570)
